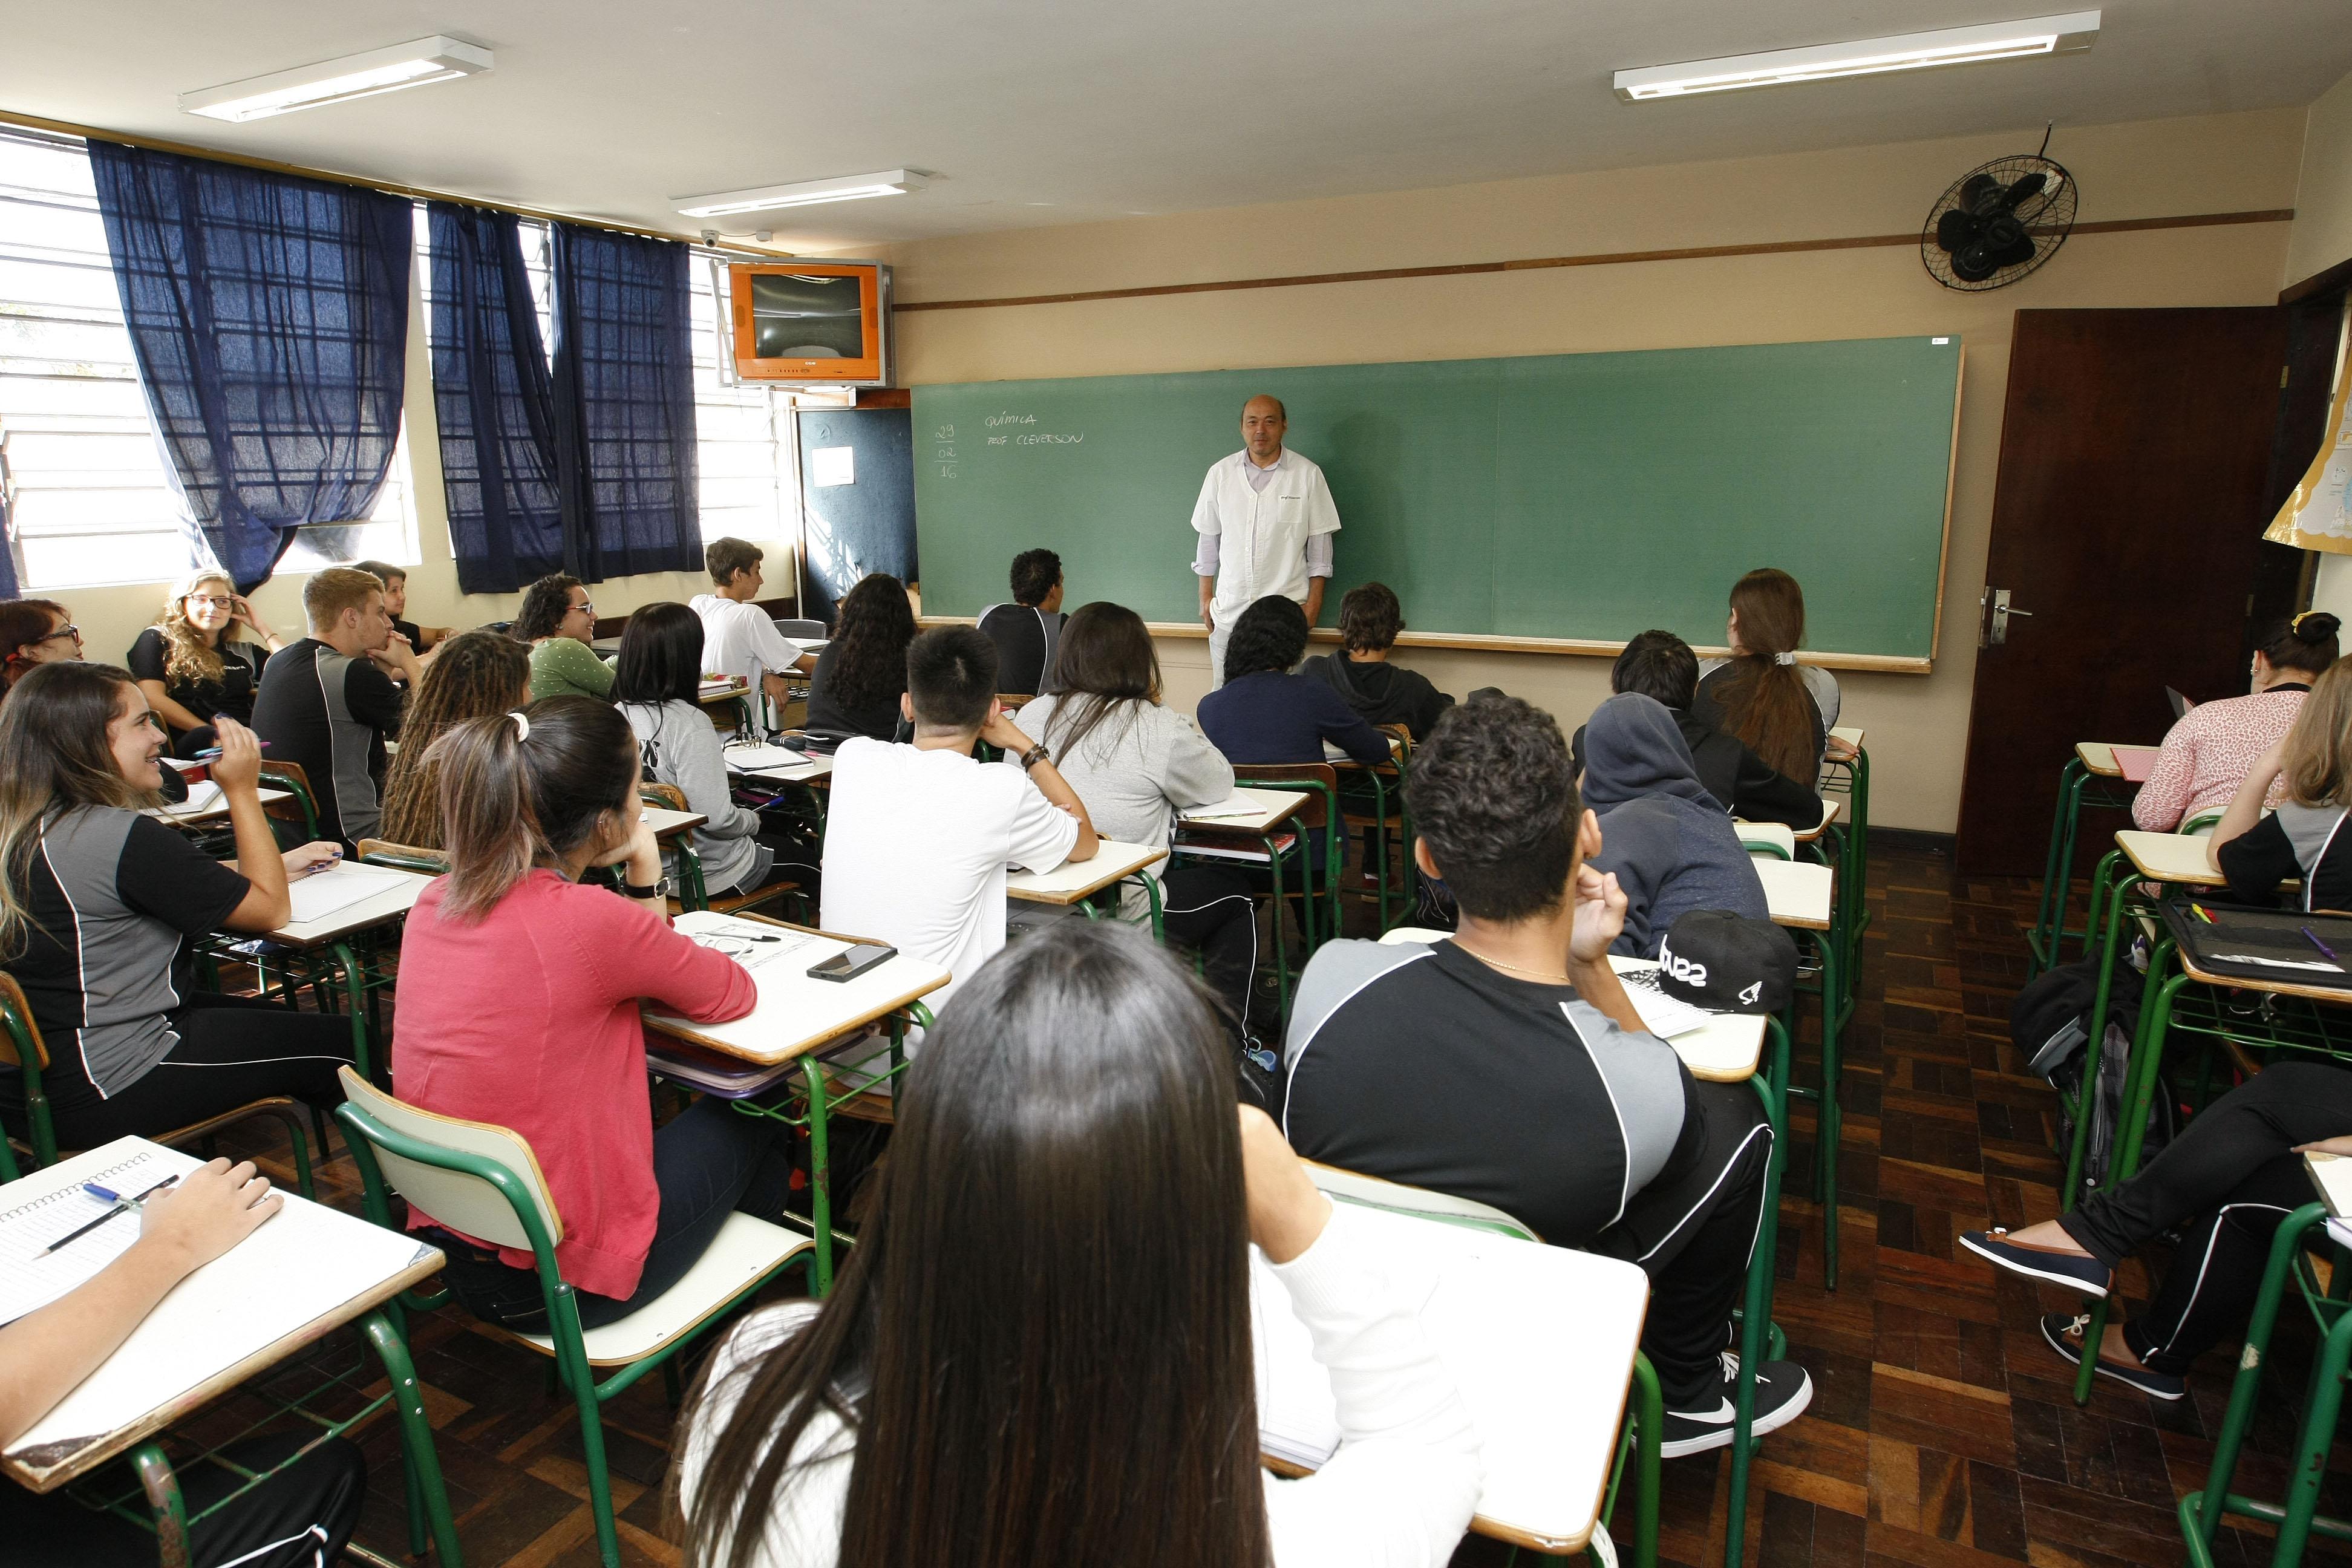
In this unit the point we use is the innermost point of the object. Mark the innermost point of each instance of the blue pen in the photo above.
(211, 752)
(2317, 943)
(122, 1205)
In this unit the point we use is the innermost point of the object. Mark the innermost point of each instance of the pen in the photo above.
(210, 753)
(2316, 942)
(2202, 914)
(121, 1205)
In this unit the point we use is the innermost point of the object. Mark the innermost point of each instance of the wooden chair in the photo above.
(691, 893)
(21, 1048)
(303, 809)
(483, 1181)
(403, 856)
(1387, 822)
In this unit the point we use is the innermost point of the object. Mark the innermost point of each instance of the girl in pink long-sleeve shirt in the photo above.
(2208, 753)
(522, 1010)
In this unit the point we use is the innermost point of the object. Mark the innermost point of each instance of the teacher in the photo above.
(1265, 520)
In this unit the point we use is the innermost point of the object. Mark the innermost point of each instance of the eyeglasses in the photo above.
(582, 608)
(67, 630)
(211, 601)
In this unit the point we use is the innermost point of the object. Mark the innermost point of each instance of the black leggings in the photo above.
(2228, 1179)
(1693, 1234)
(1212, 909)
(299, 1519)
(233, 1050)
(708, 1161)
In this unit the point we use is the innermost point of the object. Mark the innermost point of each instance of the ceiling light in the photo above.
(807, 193)
(1910, 51)
(437, 59)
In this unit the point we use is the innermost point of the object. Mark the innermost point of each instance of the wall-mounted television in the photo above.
(812, 323)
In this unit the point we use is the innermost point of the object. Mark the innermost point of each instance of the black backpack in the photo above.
(2051, 1022)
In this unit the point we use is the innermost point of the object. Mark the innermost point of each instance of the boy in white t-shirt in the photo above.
(738, 637)
(919, 836)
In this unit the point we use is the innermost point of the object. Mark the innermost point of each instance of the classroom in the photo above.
(621, 631)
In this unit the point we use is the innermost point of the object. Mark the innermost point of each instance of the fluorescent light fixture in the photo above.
(437, 59)
(807, 193)
(2074, 31)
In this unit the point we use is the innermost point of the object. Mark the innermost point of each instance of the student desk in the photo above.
(333, 936)
(796, 1016)
(1226, 834)
(1339, 759)
(1540, 1339)
(304, 1274)
(1798, 892)
(1076, 881)
(1779, 838)
(1272, 807)
(217, 812)
(2092, 777)
(671, 825)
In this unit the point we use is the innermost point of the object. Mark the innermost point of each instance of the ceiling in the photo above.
(1070, 110)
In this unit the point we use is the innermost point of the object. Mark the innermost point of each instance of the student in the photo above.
(1026, 631)
(2304, 839)
(558, 621)
(473, 675)
(654, 686)
(1075, 1107)
(299, 1518)
(1506, 1065)
(1782, 711)
(395, 601)
(1383, 693)
(1263, 713)
(861, 675)
(1670, 844)
(2222, 1185)
(1137, 763)
(919, 837)
(739, 638)
(34, 631)
(328, 703)
(193, 665)
(1661, 666)
(2207, 750)
(531, 1023)
(97, 905)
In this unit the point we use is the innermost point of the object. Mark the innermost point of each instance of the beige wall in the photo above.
(1917, 725)
(2322, 197)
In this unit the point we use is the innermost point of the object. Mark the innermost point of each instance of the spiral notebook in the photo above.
(31, 1277)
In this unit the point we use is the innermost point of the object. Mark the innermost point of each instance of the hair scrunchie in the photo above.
(522, 725)
(1784, 659)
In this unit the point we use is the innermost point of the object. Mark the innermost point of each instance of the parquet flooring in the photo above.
(1943, 1433)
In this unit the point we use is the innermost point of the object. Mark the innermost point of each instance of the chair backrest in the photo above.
(1395, 1196)
(1013, 701)
(1777, 839)
(653, 792)
(2200, 826)
(1403, 736)
(1317, 812)
(404, 856)
(289, 776)
(801, 631)
(21, 1037)
(454, 1195)
(1396, 935)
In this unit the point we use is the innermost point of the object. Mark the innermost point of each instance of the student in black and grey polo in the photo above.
(111, 900)
(328, 702)
(1028, 631)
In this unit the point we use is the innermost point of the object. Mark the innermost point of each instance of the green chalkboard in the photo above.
(1579, 497)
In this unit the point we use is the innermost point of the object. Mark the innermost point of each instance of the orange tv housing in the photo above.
(812, 323)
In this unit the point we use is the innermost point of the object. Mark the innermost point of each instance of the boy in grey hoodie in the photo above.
(1670, 842)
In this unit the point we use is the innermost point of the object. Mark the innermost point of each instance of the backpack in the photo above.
(2050, 1022)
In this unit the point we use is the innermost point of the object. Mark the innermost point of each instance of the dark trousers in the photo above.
(1212, 909)
(1693, 1233)
(299, 1519)
(233, 1050)
(708, 1161)
(2228, 1180)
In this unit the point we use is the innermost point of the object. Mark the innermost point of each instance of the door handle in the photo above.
(1995, 632)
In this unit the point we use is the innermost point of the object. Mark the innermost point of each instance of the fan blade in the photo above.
(1981, 195)
(1975, 263)
(1957, 228)
(2025, 190)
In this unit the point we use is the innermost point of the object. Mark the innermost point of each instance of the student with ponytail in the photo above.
(97, 907)
(1783, 709)
(531, 1020)
(2304, 839)
(2210, 749)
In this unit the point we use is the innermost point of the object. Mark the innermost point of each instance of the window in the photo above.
(89, 498)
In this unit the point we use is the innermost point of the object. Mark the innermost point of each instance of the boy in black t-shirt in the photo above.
(1027, 631)
(1551, 1101)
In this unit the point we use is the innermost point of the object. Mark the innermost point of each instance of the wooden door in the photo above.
(2134, 451)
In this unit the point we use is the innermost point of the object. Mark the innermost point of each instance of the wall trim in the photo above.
(1537, 263)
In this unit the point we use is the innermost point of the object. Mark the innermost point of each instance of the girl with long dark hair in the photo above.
(1783, 709)
(97, 903)
(1137, 763)
(861, 672)
(473, 676)
(531, 1020)
(1070, 1136)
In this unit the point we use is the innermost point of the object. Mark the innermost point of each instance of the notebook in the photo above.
(749, 757)
(328, 892)
(1665, 1016)
(31, 1277)
(2137, 762)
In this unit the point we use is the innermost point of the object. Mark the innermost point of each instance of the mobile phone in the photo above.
(852, 962)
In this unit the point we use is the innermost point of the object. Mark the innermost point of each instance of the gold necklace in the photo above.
(1498, 964)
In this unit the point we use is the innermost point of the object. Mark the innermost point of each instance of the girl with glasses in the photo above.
(202, 659)
(558, 621)
(34, 631)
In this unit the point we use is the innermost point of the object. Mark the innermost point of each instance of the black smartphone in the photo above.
(852, 962)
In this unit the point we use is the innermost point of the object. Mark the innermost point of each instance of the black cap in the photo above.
(1728, 962)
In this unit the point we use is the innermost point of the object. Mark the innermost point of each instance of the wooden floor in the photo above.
(1942, 1431)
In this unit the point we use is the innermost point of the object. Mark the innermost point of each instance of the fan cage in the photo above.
(2049, 217)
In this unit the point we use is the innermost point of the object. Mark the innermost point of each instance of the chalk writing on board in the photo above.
(994, 420)
(1042, 440)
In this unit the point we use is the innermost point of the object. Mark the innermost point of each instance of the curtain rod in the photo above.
(390, 187)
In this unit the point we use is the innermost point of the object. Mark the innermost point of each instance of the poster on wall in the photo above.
(2318, 514)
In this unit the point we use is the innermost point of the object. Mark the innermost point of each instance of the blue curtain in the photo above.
(269, 318)
(495, 404)
(8, 588)
(624, 404)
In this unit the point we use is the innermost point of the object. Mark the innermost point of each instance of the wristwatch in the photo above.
(1033, 756)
